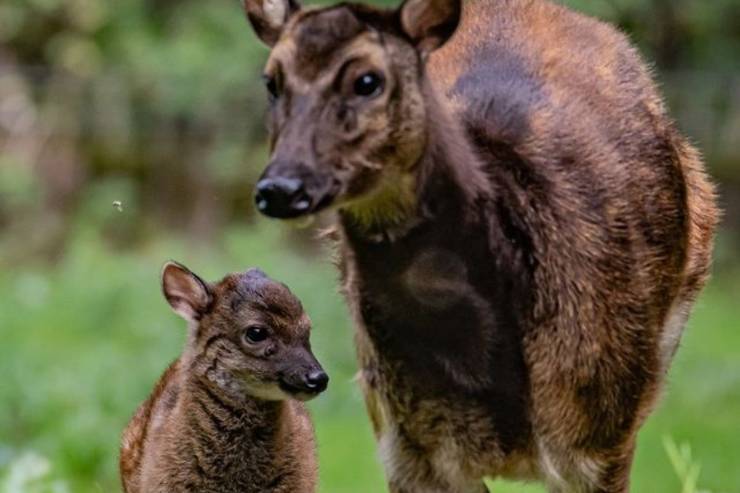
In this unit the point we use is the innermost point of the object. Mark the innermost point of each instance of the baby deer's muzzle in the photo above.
(316, 381)
(304, 385)
(303, 377)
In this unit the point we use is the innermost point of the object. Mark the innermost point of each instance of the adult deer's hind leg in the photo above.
(606, 471)
(616, 475)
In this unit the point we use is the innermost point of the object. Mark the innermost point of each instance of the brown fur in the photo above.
(218, 420)
(522, 231)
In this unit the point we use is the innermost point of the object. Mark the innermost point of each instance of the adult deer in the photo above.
(522, 229)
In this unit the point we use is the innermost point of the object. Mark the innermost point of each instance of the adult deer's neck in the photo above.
(447, 174)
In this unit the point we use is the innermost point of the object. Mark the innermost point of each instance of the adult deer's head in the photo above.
(347, 111)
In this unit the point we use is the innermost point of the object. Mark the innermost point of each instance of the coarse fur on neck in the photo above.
(406, 197)
(249, 434)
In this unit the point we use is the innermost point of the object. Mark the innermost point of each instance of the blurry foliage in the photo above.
(161, 97)
(159, 103)
(677, 34)
(29, 473)
(683, 465)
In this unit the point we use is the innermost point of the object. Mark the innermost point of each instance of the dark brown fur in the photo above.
(204, 428)
(522, 232)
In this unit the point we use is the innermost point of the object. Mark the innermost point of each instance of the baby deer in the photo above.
(225, 416)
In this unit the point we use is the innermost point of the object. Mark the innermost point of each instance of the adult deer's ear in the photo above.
(188, 295)
(430, 23)
(268, 17)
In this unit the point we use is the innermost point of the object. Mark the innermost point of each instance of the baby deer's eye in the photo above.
(368, 84)
(255, 334)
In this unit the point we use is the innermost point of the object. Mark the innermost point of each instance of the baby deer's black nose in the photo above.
(282, 197)
(317, 380)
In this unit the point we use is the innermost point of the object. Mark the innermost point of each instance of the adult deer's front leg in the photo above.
(397, 485)
(408, 470)
(425, 489)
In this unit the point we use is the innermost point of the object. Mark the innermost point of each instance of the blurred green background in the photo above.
(158, 104)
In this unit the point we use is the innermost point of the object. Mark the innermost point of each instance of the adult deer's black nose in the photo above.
(317, 380)
(282, 197)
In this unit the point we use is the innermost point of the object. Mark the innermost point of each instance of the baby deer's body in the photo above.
(220, 418)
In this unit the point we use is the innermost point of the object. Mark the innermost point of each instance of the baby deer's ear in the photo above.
(189, 295)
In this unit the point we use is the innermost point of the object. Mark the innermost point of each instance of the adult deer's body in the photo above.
(522, 230)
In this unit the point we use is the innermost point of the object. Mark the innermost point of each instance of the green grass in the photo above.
(82, 343)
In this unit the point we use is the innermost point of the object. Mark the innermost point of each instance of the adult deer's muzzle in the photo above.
(282, 197)
(288, 190)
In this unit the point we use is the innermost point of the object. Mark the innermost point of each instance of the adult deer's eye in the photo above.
(271, 86)
(368, 84)
(255, 334)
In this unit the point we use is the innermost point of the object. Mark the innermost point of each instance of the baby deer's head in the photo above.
(249, 335)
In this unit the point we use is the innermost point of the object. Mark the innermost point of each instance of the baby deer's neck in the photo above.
(215, 418)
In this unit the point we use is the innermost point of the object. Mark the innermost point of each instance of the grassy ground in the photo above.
(81, 345)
